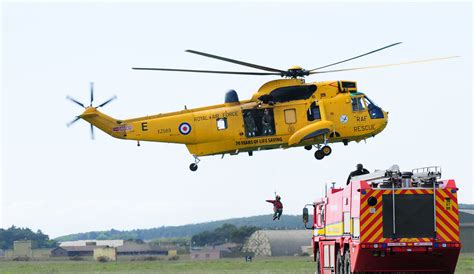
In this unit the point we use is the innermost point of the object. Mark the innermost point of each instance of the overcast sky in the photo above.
(56, 179)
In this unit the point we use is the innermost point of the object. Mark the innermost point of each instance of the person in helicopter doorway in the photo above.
(360, 170)
(250, 126)
(267, 122)
(277, 207)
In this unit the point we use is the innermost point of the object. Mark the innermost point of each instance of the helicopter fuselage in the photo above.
(275, 117)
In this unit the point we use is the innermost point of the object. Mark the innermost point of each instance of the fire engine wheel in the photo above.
(347, 262)
(318, 262)
(326, 150)
(319, 154)
(339, 263)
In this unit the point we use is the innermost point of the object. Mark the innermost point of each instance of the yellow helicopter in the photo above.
(282, 113)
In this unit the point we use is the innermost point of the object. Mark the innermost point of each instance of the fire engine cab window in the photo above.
(221, 123)
(357, 104)
(313, 112)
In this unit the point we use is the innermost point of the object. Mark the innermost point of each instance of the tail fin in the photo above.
(107, 124)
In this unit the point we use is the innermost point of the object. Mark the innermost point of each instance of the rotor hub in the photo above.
(295, 72)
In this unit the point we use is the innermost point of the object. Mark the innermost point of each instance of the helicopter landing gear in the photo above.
(322, 152)
(326, 150)
(308, 147)
(194, 166)
(319, 155)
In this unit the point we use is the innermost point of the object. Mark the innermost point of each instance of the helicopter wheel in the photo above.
(308, 147)
(193, 167)
(326, 150)
(319, 154)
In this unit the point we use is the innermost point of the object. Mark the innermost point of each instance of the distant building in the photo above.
(466, 223)
(205, 254)
(82, 251)
(212, 252)
(59, 252)
(27, 249)
(123, 248)
(108, 254)
(278, 242)
(112, 243)
(134, 249)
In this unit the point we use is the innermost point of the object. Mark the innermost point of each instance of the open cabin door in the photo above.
(258, 122)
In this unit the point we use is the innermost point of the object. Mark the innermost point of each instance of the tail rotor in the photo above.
(77, 118)
(106, 102)
(73, 121)
(75, 101)
(92, 93)
(92, 132)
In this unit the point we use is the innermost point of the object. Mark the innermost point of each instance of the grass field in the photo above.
(259, 265)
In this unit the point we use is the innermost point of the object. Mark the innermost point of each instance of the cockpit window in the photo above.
(375, 112)
(368, 102)
(357, 104)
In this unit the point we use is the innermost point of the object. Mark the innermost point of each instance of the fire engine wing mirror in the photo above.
(305, 216)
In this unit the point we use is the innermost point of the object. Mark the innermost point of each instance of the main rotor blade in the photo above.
(235, 61)
(106, 102)
(357, 56)
(212, 71)
(92, 132)
(92, 92)
(73, 121)
(75, 101)
(387, 65)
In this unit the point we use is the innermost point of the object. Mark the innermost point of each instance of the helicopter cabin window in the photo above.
(290, 116)
(357, 104)
(221, 123)
(259, 122)
(313, 112)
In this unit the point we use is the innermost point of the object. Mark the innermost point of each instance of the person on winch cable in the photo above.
(277, 207)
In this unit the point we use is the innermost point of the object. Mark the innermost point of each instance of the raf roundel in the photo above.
(184, 128)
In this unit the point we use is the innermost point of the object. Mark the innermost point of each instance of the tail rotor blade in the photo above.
(106, 102)
(92, 132)
(92, 93)
(75, 101)
(73, 121)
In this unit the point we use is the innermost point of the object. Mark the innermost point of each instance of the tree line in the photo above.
(8, 236)
(225, 233)
(185, 231)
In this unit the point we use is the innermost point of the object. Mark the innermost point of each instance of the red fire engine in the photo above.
(387, 221)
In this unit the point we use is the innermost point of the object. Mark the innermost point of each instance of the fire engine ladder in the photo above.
(431, 173)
